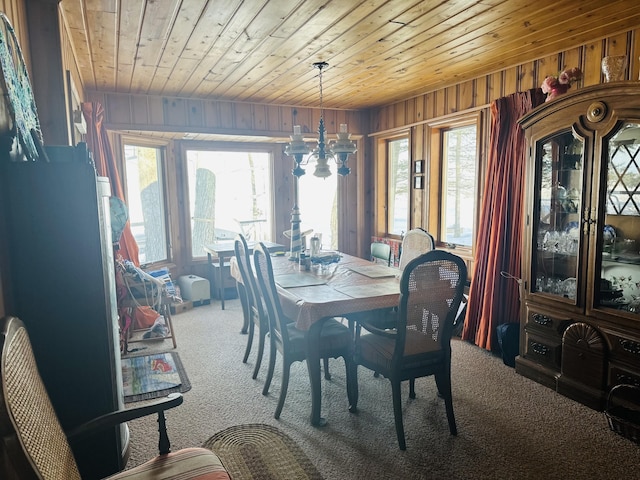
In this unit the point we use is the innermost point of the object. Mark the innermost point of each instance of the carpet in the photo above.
(151, 376)
(261, 452)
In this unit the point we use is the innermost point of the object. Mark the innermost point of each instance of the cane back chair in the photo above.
(431, 289)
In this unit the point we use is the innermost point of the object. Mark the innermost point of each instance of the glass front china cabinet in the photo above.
(580, 322)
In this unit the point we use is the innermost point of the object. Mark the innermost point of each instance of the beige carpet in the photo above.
(508, 426)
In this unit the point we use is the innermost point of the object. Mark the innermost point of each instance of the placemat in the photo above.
(375, 271)
(290, 280)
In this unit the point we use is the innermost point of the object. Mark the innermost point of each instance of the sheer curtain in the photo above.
(494, 299)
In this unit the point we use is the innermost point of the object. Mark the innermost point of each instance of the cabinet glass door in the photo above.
(619, 243)
(557, 226)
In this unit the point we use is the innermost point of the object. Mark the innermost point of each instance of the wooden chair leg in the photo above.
(261, 339)
(448, 403)
(327, 375)
(283, 389)
(169, 320)
(352, 383)
(164, 446)
(397, 412)
(247, 350)
(246, 310)
(412, 388)
(443, 381)
(272, 365)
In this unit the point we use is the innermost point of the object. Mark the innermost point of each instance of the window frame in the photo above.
(434, 214)
(382, 222)
(183, 147)
(169, 198)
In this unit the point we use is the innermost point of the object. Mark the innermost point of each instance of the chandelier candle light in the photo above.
(339, 150)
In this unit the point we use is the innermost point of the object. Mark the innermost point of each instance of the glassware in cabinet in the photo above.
(559, 179)
(619, 242)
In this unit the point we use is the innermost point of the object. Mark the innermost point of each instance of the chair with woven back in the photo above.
(431, 288)
(255, 306)
(414, 243)
(33, 444)
(335, 338)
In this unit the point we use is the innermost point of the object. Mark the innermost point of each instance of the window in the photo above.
(393, 185)
(229, 192)
(398, 186)
(145, 201)
(459, 157)
(318, 203)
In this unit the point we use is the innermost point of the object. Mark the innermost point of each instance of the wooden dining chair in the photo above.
(381, 253)
(335, 338)
(255, 306)
(414, 243)
(33, 444)
(431, 289)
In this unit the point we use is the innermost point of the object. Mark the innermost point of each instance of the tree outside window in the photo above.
(145, 201)
(459, 185)
(229, 193)
(398, 186)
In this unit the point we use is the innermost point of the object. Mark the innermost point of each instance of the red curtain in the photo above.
(495, 299)
(98, 144)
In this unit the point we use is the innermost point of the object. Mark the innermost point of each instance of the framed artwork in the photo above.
(418, 167)
(417, 182)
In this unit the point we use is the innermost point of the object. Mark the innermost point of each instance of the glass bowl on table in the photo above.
(324, 258)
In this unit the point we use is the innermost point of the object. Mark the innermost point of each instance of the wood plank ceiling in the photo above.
(379, 51)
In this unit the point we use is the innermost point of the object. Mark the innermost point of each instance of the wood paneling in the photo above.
(486, 88)
(379, 51)
(180, 115)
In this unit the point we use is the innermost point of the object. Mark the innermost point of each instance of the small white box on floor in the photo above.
(194, 288)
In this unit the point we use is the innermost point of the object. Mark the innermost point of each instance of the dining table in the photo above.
(309, 297)
(222, 250)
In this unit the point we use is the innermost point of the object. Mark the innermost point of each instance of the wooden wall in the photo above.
(74, 88)
(483, 90)
(175, 114)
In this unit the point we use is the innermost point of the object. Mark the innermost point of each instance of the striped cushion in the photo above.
(185, 464)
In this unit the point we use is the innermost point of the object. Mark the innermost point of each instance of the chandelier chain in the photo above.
(320, 66)
(321, 107)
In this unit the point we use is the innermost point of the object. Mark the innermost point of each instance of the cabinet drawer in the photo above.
(545, 351)
(625, 349)
(543, 321)
(620, 375)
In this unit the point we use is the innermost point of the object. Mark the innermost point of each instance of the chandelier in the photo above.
(338, 150)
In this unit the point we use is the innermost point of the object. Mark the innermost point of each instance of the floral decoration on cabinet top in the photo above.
(557, 85)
